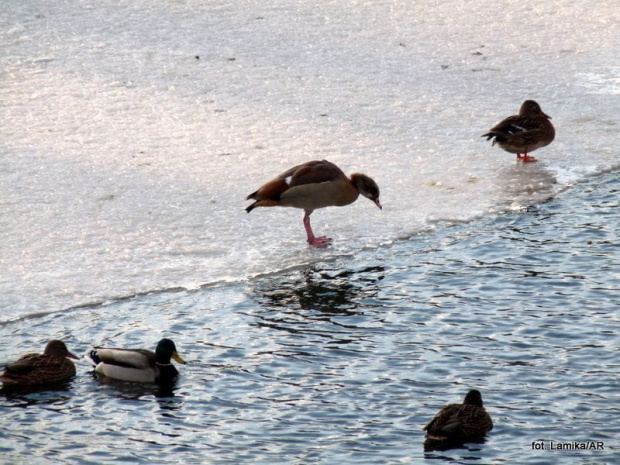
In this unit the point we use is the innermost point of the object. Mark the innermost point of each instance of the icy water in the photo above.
(345, 361)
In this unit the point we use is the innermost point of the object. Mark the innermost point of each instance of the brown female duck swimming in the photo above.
(456, 424)
(49, 367)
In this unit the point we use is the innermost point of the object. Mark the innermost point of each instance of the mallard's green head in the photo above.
(165, 351)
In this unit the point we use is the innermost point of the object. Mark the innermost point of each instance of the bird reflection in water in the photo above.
(527, 184)
(315, 300)
(165, 393)
(325, 291)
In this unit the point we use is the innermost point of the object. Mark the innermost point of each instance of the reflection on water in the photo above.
(525, 184)
(58, 394)
(134, 391)
(317, 301)
(321, 290)
(168, 402)
(443, 446)
(345, 362)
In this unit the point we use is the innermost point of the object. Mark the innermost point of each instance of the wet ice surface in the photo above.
(132, 131)
(345, 361)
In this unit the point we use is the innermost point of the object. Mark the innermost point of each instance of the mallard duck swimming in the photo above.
(138, 365)
(456, 424)
(523, 133)
(312, 185)
(49, 367)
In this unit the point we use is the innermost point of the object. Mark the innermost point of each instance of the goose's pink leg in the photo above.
(312, 240)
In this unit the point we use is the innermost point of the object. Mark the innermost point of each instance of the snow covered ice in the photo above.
(131, 131)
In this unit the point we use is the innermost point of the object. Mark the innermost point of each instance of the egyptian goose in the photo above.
(137, 365)
(523, 133)
(312, 185)
(456, 424)
(50, 367)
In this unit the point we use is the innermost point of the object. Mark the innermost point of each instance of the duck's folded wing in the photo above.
(467, 421)
(127, 358)
(444, 416)
(476, 422)
(452, 425)
(22, 366)
(530, 135)
(510, 126)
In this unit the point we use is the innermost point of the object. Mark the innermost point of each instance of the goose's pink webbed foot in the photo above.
(314, 241)
(319, 241)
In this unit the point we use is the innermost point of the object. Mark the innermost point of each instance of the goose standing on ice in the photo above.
(313, 185)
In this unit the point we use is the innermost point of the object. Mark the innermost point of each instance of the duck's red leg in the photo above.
(312, 240)
(527, 158)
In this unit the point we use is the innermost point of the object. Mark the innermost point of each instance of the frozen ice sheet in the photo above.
(133, 130)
